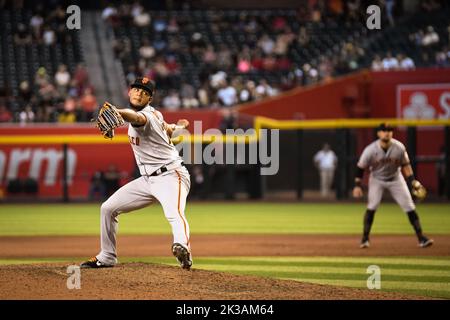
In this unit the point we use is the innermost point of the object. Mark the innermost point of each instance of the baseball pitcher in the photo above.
(163, 175)
(390, 169)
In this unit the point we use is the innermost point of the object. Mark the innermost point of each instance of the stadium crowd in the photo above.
(262, 65)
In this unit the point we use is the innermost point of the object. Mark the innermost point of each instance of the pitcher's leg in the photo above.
(171, 191)
(132, 196)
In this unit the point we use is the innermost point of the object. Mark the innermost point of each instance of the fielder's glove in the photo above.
(108, 119)
(418, 191)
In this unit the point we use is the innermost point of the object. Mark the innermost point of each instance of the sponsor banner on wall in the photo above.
(26, 153)
(423, 101)
(44, 163)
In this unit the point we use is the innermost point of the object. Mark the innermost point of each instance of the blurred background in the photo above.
(226, 64)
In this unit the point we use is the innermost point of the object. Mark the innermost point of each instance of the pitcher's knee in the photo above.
(107, 208)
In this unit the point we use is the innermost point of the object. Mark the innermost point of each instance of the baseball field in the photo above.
(241, 250)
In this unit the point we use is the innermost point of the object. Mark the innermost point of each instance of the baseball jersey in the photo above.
(151, 144)
(384, 165)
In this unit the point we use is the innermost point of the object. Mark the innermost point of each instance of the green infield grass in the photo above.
(222, 218)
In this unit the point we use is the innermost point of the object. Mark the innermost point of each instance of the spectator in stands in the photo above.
(389, 5)
(442, 60)
(22, 36)
(47, 92)
(264, 90)
(266, 44)
(160, 24)
(88, 104)
(25, 94)
(448, 34)
(390, 62)
(141, 18)
(68, 113)
(430, 38)
(406, 63)
(173, 27)
(62, 79)
(248, 93)
(269, 63)
(204, 94)
(109, 14)
(417, 37)
(227, 94)
(26, 115)
(243, 62)
(172, 101)
(146, 53)
(325, 67)
(377, 64)
(122, 49)
(303, 37)
(209, 55)
(283, 41)
(41, 76)
(224, 59)
(49, 36)
(5, 114)
(430, 5)
(36, 24)
(278, 23)
(188, 99)
(81, 77)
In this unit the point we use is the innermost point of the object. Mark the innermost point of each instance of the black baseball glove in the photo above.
(107, 119)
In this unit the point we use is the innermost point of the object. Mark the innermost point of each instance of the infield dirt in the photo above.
(161, 282)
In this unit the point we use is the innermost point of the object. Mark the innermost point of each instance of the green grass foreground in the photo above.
(425, 276)
(222, 218)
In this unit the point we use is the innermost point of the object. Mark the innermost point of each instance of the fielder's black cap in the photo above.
(144, 83)
(385, 127)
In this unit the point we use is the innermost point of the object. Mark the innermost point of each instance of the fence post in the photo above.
(411, 141)
(65, 184)
(342, 167)
(447, 162)
(299, 164)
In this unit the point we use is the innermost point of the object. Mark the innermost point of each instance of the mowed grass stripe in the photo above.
(356, 261)
(441, 275)
(422, 288)
(220, 218)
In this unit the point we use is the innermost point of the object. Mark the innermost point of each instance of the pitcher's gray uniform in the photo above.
(163, 177)
(152, 150)
(384, 167)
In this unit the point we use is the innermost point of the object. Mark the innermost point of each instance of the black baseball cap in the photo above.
(144, 83)
(385, 127)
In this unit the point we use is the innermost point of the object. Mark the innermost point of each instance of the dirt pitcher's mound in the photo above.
(160, 282)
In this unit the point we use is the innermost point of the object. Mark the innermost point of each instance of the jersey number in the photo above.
(134, 140)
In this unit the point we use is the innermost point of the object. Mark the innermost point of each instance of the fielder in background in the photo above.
(164, 178)
(325, 161)
(389, 166)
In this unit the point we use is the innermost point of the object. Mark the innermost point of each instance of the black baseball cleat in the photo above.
(183, 256)
(364, 244)
(425, 242)
(94, 263)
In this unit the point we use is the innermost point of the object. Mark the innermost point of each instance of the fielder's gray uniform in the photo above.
(385, 173)
(152, 150)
